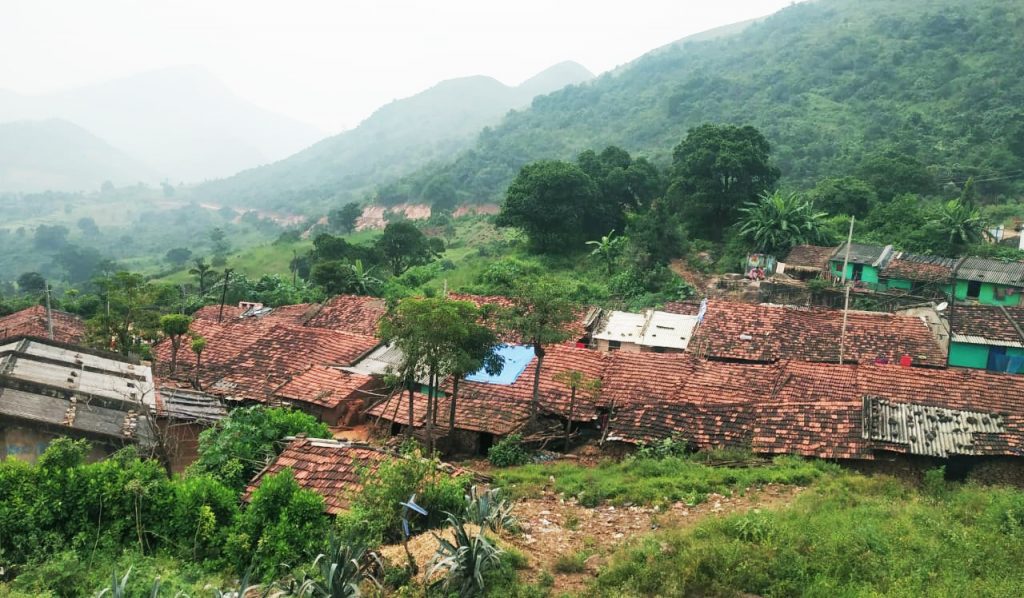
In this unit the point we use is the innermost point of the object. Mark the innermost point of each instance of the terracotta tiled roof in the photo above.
(491, 414)
(816, 409)
(502, 408)
(251, 357)
(987, 322)
(323, 386)
(67, 328)
(766, 333)
(686, 308)
(331, 469)
(350, 313)
(922, 268)
(813, 257)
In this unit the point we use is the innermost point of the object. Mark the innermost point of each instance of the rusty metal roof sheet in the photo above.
(994, 271)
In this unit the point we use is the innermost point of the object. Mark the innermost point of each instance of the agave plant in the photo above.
(342, 569)
(465, 560)
(119, 587)
(487, 509)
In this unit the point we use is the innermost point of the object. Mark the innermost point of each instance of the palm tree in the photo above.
(202, 271)
(607, 248)
(777, 221)
(962, 224)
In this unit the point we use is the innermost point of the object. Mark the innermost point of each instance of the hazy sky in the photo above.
(332, 62)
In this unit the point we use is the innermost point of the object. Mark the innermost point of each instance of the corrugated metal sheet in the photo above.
(980, 340)
(926, 430)
(996, 272)
(190, 405)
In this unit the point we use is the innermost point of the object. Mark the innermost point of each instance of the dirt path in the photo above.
(554, 527)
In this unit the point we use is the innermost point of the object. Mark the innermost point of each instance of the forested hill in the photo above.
(831, 84)
(397, 139)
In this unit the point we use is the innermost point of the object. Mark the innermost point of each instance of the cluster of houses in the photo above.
(981, 298)
(932, 381)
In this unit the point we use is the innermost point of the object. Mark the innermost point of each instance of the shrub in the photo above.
(203, 512)
(571, 563)
(241, 444)
(282, 526)
(374, 515)
(666, 447)
(508, 451)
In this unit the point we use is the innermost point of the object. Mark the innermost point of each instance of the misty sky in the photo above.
(332, 62)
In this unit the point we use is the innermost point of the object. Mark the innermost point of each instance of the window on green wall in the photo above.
(973, 289)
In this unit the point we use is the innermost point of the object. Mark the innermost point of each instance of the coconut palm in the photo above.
(777, 221)
(202, 271)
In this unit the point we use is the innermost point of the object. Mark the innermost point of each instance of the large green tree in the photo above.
(402, 246)
(345, 218)
(717, 169)
(553, 203)
(843, 195)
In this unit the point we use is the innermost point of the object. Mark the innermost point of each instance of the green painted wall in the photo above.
(898, 283)
(987, 294)
(869, 274)
(966, 355)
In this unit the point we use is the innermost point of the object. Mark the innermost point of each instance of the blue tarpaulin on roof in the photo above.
(516, 357)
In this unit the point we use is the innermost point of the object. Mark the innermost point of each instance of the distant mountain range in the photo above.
(182, 123)
(396, 139)
(58, 155)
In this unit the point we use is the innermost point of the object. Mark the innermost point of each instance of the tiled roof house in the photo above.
(987, 337)
(67, 328)
(767, 333)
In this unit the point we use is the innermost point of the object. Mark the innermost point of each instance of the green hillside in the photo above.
(830, 83)
(397, 139)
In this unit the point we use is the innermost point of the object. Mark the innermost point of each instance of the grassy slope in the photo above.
(850, 536)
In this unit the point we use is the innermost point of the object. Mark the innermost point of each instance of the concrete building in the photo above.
(656, 331)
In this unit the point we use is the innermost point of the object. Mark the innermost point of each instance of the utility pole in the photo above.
(846, 287)
(224, 294)
(49, 314)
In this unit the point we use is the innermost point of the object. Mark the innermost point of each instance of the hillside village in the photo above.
(716, 373)
(738, 316)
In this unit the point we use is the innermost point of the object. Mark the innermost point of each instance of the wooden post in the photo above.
(846, 300)
(49, 313)
(223, 294)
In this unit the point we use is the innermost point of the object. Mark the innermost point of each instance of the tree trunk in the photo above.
(428, 425)
(175, 342)
(568, 420)
(451, 406)
(408, 429)
(535, 401)
(199, 363)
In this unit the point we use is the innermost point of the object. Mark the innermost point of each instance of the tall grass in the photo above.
(849, 536)
(656, 481)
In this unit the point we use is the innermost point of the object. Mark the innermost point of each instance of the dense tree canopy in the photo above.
(715, 170)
